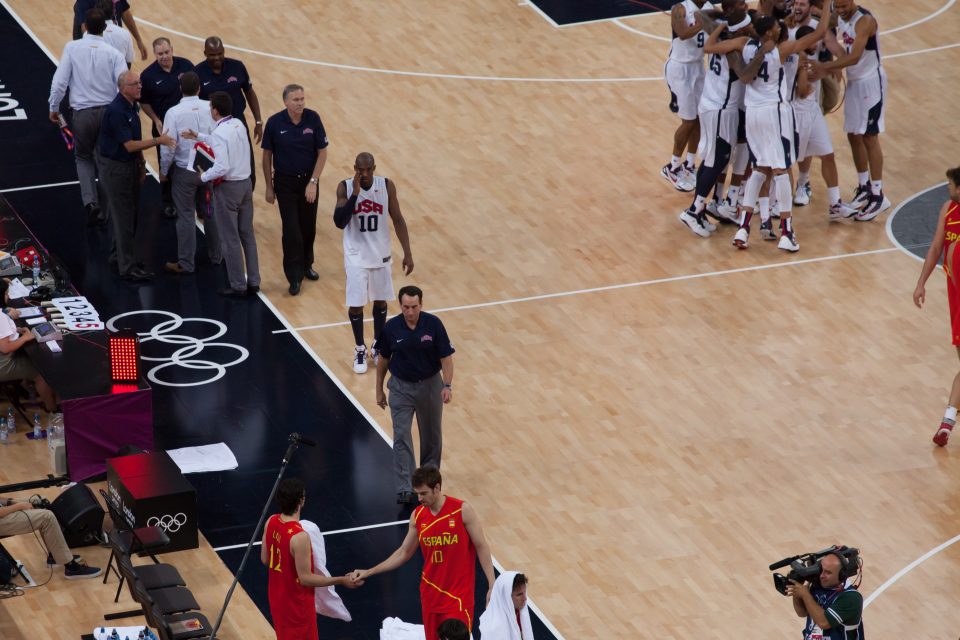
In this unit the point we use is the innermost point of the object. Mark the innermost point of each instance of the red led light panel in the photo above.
(124, 358)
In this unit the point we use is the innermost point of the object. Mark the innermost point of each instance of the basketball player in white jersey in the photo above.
(363, 204)
(770, 130)
(684, 75)
(719, 115)
(813, 136)
(857, 48)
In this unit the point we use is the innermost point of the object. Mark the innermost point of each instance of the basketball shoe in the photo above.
(727, 211)
(839, 211)
(788, 242)
(766, 230)
(741, 238)
(875, 206)
(942, 435)
(694, 223)
(360, 359)
(802, 197)
(677, 177)
(861, 196)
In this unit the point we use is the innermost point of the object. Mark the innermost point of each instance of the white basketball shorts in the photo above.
(685, 81)
(366, 285)
(770, 135)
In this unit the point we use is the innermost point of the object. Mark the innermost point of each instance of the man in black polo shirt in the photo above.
(122, 16)
(161, 90)
(415, 348)
(219, 73)
(122, 170)
(294, 153)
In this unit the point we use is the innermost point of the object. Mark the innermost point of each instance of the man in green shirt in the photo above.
(834, 611)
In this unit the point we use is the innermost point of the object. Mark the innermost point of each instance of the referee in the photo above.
(294, 153)
(415, 348)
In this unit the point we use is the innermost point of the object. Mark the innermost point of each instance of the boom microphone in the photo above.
(296, 437)
(782, 563)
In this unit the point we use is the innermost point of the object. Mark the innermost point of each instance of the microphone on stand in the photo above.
(302, 440)
(295, 441)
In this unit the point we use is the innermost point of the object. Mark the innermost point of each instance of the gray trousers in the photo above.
(422, 399)
(121, 184)
(233, 212)
(86, 129)
(187, 191)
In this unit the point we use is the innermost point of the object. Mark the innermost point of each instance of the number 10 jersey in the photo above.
(366, 238)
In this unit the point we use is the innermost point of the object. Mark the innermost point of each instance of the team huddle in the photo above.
(758, 109)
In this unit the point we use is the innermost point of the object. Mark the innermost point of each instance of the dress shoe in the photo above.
(311, 274)
(136, 274)
(253, 290)
(294, 288)
(174, 267)
(234, 293)
(407, 498)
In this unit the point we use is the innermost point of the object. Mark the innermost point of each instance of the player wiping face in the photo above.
(364, 167)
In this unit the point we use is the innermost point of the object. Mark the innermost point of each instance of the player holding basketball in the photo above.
(288, 556)
(944, 244)
(451, 540)
(363, 204)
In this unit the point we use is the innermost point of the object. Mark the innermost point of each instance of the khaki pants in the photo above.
(45, 523)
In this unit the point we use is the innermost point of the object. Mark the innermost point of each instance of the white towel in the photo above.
(328, 602)
(397, 629)
(499, 621)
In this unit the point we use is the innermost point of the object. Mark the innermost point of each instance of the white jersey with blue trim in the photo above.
(769, 87)
(366, 238)
(691, 49)
(869, 63)
(722, 88)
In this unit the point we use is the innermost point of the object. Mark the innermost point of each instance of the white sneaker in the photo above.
(728, 211)
(373, 354)
(861, 196)
(802, 197)
(877, 205)
(688, 179)
(788, 242)
(775, 210)
(766, 230)
(676, 177)
(840, 211)
(711, 208)
(741, 238)
(694, 224)
(360, 360)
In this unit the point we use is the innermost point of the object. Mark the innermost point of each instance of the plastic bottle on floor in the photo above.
(37, 429)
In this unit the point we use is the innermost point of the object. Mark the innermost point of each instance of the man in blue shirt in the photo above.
(161, 90)
(122, 170)
(415, 348)
(294, 154)
(219, 73)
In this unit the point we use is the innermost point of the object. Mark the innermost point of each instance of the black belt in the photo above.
(298, 176)
(415, 381)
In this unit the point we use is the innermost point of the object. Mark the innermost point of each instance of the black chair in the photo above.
(153, 576)
(144, 541)
(166, 625)
(166, 601)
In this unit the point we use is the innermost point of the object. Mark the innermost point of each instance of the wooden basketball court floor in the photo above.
(643, 419)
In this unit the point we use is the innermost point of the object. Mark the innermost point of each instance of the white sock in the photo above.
(833, 194)
(764, 209)
(781, 184)
(691, 159)
(698, 204)
(876, 187)
(674, 162)
(733, 192)
(864, 177)
(803, 177)
(950, 414)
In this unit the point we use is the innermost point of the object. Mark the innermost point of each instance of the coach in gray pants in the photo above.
(415, 348)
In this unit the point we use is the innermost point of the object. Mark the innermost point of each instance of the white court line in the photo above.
(40, 186)
(933, 15)
(919, 51)
(907, 569)
(541, 12)
(324, 533)
(889, 225)
(619, 22)
(626, 285)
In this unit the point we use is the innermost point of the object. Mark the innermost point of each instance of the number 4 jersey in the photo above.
(366, 239)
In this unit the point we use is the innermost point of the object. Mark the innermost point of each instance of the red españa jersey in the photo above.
(291, 604)
(449, 560)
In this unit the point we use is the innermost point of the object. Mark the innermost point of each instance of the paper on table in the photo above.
(210, 457)
(18, 290)
(30, 312)
(33, 321)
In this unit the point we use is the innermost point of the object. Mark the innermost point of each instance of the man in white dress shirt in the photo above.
(232, 196)
(89, 67)
(191, 114)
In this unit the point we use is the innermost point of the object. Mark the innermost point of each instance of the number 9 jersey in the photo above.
(366, 238)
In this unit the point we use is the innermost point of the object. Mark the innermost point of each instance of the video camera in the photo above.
(39, 502)
(806, 567)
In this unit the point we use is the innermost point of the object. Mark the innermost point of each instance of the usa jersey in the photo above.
(769, 86)
(691, 49)
(869, 63)
(366, 238)
(722, 88)
(813, 100)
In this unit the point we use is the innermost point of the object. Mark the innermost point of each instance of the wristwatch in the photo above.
(314, 180)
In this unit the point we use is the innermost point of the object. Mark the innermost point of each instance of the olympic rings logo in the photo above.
(184, 356)
(170, 524)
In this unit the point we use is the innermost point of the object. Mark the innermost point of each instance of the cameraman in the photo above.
(833, 610)
(19, 516)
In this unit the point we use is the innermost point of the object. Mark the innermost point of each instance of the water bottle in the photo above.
(4, 438)
(11, 422)
(37, 429)
(36, 269)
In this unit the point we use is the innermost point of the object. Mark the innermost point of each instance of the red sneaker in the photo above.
(943, 434)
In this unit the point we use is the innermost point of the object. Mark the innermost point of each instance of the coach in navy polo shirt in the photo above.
(122, 171)
(294, 154)
(415, 348)
(219, 73)
(161, 90)
(122, 16)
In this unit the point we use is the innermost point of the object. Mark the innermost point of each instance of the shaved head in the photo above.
(364, 159)
(213, 42)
